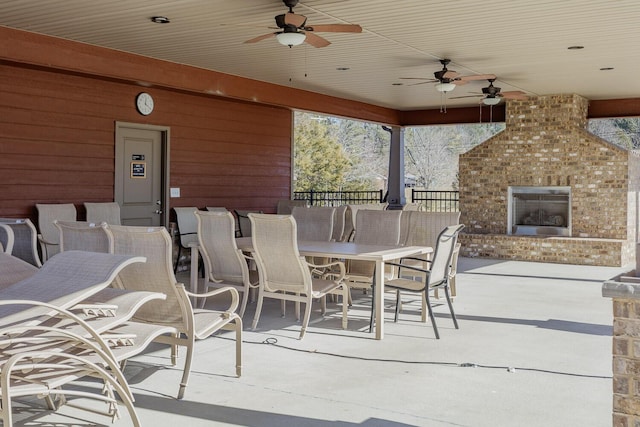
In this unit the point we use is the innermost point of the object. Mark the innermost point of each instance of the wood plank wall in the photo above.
(57, 143)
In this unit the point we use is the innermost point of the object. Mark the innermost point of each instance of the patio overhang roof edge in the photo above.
(26, 48)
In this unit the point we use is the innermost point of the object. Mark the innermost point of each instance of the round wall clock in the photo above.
(144, 103)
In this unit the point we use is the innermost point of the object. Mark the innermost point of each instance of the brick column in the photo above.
(625, 292)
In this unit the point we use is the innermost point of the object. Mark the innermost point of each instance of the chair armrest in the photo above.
(337, 275)
(413, 258)
(235, 298)
(46, 242)
(409, 267)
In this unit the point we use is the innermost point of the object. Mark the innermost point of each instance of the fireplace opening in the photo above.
(539, 211)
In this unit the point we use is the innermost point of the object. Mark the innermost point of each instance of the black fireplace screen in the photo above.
(540, 210)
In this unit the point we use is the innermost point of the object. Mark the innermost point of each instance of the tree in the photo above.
(431, 152)
(624, 132)
(319, 161)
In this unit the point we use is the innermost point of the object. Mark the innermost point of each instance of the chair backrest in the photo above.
(280, 266)
(244, 225)
(285, 206)
(217, 209)
(25, 242)
(339, 224)
(82, 236)
(443, 254)
(187, 225)
(155, 275)
(314, 223)
(352, 213)
(47, 213)
(420, 228)
(108, 212)
(6, 239)
(223, 260)
(377, 227)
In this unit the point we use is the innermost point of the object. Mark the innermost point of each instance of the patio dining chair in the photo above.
(338, 234)
(285, 206)
(6, 239)
(352, 212)
(48, 237)
(108, 212)
(188, 324)
(420, 228)
(244, 225)
(314, 223)
(187, 230)
(82, 236)
(225, 264)
(437, 275)
(284, 273)
(25, 239)
(373, 227)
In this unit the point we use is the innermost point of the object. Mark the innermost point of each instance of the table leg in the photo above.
(379, 301)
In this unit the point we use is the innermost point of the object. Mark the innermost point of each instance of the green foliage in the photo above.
(319, 161)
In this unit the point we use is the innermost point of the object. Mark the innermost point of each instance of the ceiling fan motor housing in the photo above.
(491, 90)
(290, 3)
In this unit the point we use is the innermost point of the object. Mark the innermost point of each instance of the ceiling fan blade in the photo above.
(466, 96)
(260, 38)
(422, 83)
(516, 94)
(449, 74)
(478, 77)
(419, 78)
(459, 82)
(316, 41)
(291, 18)
(335, 28)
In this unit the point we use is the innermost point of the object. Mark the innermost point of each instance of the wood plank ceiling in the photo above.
(525, 43)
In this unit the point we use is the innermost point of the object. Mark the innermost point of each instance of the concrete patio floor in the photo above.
(533, 349)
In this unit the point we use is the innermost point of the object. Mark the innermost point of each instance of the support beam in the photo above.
(395, 196)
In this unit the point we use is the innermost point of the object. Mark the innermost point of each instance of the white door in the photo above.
(141, 173)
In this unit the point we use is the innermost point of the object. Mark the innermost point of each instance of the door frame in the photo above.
(166, 145)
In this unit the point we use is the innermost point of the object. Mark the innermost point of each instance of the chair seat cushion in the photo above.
(405, 284)
(322, 286)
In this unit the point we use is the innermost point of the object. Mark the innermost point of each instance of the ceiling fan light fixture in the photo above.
(291, 39)
(491, 100)
(445, 87)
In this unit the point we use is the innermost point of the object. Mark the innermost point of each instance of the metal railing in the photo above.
(431, 201)
(436, 201)
(337, 198)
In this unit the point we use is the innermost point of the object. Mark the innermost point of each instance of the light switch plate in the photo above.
(175, 192)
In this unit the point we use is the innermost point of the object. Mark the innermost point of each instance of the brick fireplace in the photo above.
(547, 151)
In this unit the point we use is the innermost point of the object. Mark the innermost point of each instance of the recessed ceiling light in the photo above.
(575, 47)
(606, 68)
(342, 68)
(160, 19)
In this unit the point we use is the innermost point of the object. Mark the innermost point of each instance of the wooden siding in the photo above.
(57, 143)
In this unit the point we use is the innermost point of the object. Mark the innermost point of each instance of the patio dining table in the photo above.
(355, 251)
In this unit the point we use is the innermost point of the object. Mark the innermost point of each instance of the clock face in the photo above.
(144, 103)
